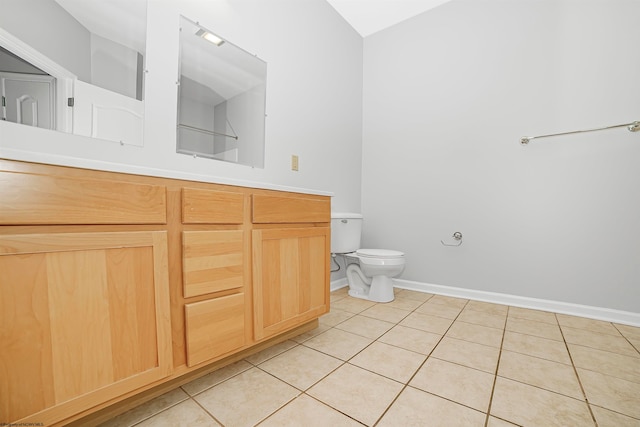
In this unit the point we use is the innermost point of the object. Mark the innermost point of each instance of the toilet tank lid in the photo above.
(345, 215)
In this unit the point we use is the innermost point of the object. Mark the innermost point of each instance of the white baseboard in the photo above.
(599, 313)
(339, 284)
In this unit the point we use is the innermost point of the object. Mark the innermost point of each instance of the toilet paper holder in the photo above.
(456, 236)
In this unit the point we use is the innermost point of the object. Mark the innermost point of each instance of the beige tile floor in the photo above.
(422, 360)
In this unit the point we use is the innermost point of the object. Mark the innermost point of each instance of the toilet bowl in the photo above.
(371, 277)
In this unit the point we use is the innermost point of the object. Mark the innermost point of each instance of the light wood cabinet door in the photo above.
(84, 317)
(290, 277)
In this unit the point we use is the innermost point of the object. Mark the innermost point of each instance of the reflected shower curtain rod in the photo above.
(208, 132)
(632, 127)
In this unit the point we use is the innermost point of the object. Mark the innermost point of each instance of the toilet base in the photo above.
(380, 290)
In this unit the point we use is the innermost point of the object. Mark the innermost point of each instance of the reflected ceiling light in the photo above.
(209, 37)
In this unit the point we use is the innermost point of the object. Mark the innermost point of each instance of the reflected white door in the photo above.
(28, 99)
(101, 113)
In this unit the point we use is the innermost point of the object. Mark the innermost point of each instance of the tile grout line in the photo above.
(189, 397)
(344, 362)
(495, 375)
(224, 381)
(575, 371)
(335, 409)
(625, 337)
(405, 385)
(159, 412)
(207, 412)
(301, 392)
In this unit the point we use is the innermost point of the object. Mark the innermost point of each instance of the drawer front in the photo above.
(277, 209)
(213, 261)
(214, 327)
(37, 199)
(211, 207)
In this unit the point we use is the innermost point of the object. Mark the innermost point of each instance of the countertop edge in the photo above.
(57, 160)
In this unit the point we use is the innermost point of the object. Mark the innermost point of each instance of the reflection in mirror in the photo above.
(221, 98)
(28, 93)
(75, 66)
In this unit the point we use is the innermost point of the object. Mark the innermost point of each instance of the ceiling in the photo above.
(365, 16)
(370, 16)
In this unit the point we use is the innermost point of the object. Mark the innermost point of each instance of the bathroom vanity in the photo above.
(115, 288)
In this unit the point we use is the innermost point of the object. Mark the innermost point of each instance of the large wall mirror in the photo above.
(75, 66)
(221, 98)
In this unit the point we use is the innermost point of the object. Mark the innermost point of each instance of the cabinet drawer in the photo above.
(213, 261)
(277, 209)
(38, 199)
(214, 327)
(211, 207)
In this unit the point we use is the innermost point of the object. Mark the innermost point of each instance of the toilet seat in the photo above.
(379, 257)
(379, 253)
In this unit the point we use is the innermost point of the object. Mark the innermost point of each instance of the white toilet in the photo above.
(370, 275)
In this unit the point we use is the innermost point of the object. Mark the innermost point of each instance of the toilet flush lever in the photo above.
(456, 236)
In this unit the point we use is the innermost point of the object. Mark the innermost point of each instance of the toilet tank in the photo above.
(345, 232)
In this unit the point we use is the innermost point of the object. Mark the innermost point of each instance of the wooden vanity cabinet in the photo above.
(116, 287)
(290, 262)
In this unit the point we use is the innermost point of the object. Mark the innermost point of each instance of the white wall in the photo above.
(447, 96)
(114, 66)
(314, 98)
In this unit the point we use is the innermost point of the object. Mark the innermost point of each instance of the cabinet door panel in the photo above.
(291, 277)
(26, 371)
(80, 324)
(213, 261)
(312, 272)
(214, 327)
